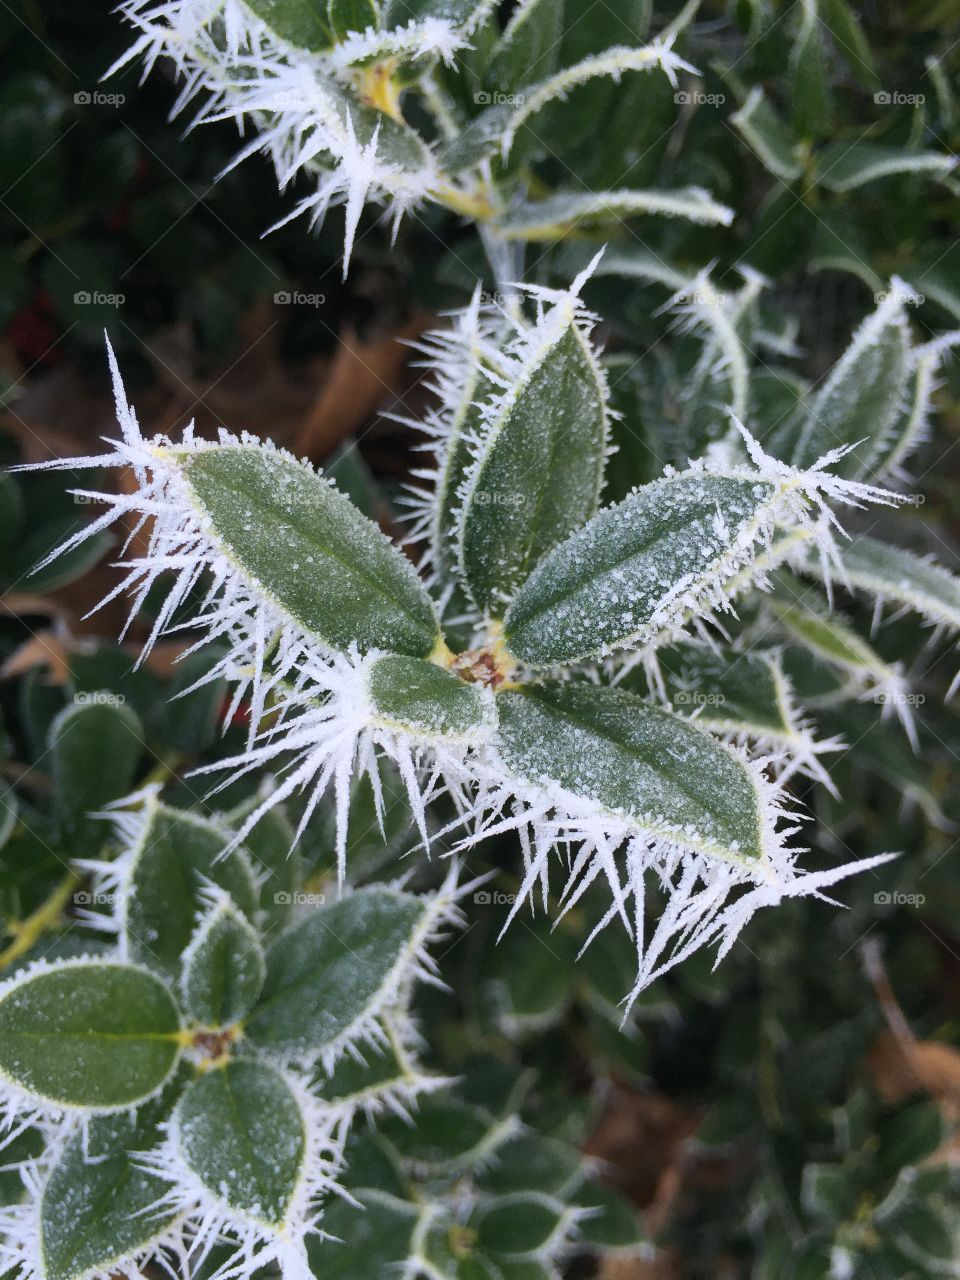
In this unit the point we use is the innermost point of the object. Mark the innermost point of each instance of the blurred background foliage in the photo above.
(790, 1115)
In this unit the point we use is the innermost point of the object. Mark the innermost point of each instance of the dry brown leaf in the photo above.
(360, 377)
(665, 1266)
(44, 649)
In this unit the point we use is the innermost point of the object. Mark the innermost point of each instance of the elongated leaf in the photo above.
(308, 548)
(99, 1205)
(832, 639)
(243, 1133)
(523, 1225)
(529, 45)
(636, 761)
(532, 1162)
(731, 692)
(376, 1241)
(626, 576)
(558, 215)
(464, 422)
(421, 698)
(88, 1034)
(612, 62)
(334, 971)
(863, 396)
(354, 1083)
(223, 967)
(304, 23)
(450, 1136)
(351, 15)
(842, 166)
(892, 573)
(539, 471)
(162, 894)
(811, 96)
(851, 41)
(95, 747)
(769, 137)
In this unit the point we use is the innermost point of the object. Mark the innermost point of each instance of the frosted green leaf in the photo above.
(99, 1205)
(892, 573)
(529, 45)
(639, 263)
(334, 971)
(357, 1083)
(863, 395)
(767, 134)
(611, 63)
(731, 692)
(420, 698)
(95, 747)
(351, 15)
(369, 1243)
(460, 12)
(811, 86)
(177, 853)
(304, 23)
(843, 166)
(557, 215)
(326, 567)
(532, 1162)
(223, 967)
(464, 424)
(637, 762)
(522, 1225)
(449, 1137)
(243, 1133)
(629, 574)
(613, 1224)
(834, 641)
(539, 470)
(850, 40)
(88, 1034)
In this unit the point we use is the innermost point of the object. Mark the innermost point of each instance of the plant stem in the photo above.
(46, 917)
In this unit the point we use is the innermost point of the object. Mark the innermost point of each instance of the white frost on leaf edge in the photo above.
(295, 97)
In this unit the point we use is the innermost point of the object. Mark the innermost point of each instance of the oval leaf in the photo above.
(88, 1034)
(99, 1205)
(223, 967)
(862, 398)
(176, 855)
(539, 470)
(306, 546)
(421, 698)
(242, 1132)
(635, 761)
(632, 572)
(95, 746)
(331, 974)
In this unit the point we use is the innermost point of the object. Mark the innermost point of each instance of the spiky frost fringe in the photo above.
(210, 1220)
(300, 102)
(327, 731)
(709, 898)
(21, 1108)
(21, 1240)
